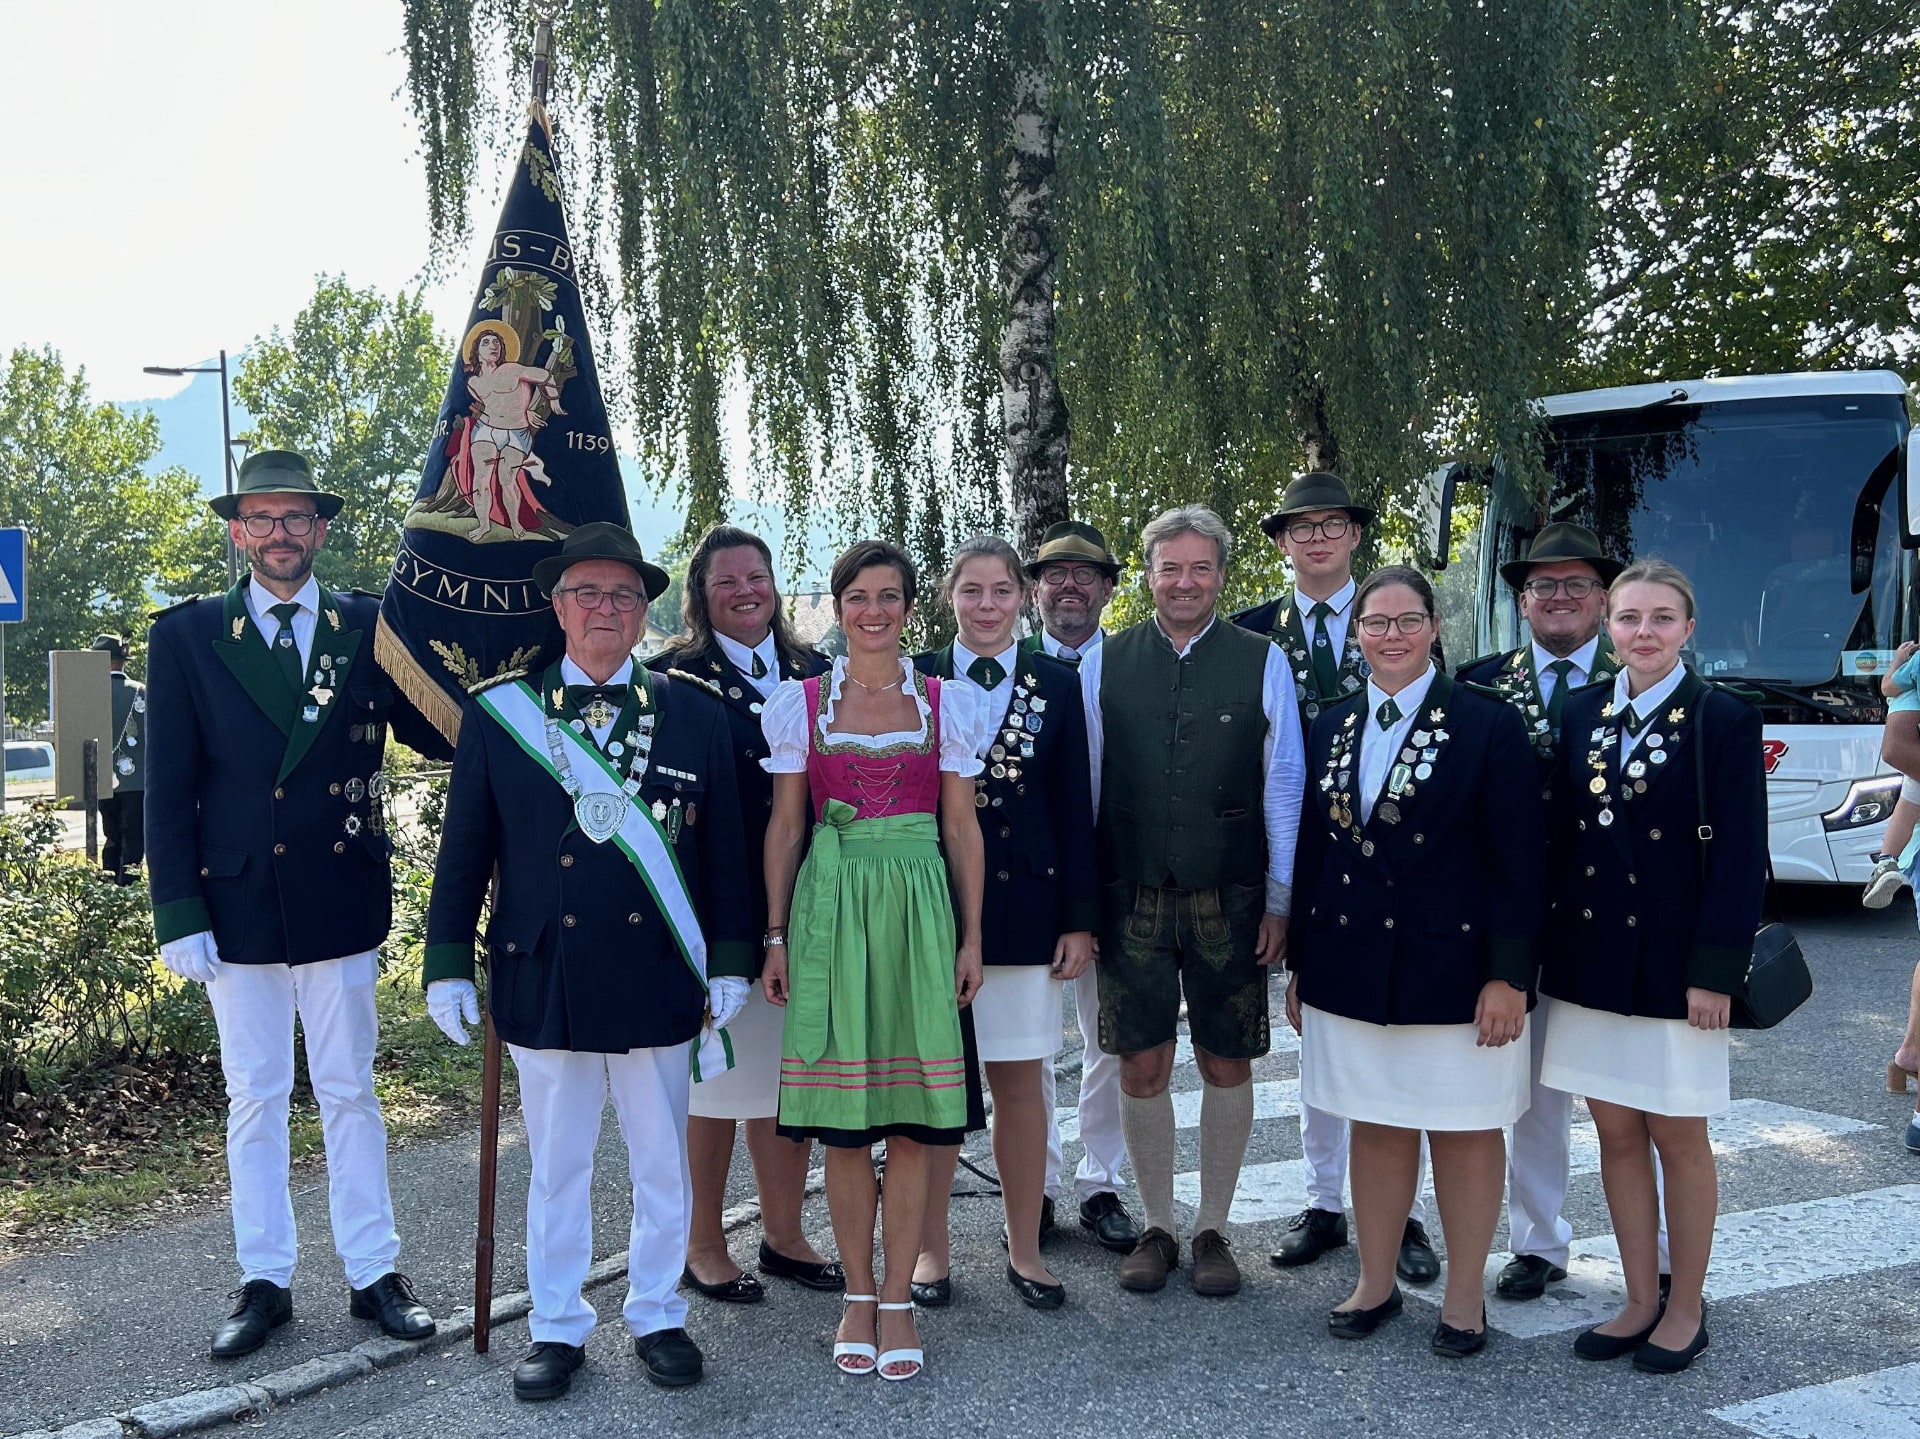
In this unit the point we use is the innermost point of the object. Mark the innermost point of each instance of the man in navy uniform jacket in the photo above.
(267, 852)
(605, 800)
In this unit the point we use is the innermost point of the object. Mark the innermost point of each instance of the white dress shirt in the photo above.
(1380, 747)
(1282, 754)
(1646, 706)
(1336, 623)
(742, 660)
(260, 603)
(1000, 696)
(572, 674)
(1582, 667)
(1066, 652)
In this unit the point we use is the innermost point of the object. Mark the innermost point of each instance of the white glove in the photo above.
(448, 1002)
(726, 997)
(193, 958)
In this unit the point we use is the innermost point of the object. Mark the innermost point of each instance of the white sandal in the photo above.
(916, 1357)
(844, 1349)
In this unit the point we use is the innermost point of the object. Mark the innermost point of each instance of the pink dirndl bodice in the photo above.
(902, 778)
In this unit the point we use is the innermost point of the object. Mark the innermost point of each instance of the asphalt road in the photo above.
(1811, 1298)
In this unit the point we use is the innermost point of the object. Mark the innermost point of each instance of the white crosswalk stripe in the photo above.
(1881, 1405)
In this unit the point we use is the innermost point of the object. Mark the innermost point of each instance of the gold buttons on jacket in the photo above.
(1653, 834)
(333, 789)
(1586, 914)
(1388, 923)
(279, 794)
(339, 846)
(512, 947)
(1343, 919)
(1419, 839)
(1631, 921)
(1589, 871)
(1466, 929)
(568, 920)
(279, 849)
(566, 862)
(634, 918)
(204, 871)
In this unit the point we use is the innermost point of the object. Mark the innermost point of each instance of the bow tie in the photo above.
(580, 696)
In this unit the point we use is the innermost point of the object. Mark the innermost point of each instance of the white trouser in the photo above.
(1323, 1139)
(1537, 1164)
(254, 1006)
(1105, 1146)
(563, 1096)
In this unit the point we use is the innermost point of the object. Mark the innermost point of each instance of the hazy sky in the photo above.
(178, 171)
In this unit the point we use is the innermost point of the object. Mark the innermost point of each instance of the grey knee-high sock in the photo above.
(1226, 1122)
(1148, 1126)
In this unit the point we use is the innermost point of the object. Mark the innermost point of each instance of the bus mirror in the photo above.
(1910, 497)
(1433, 516)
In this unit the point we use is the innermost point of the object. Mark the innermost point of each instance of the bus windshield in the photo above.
(1781, 512)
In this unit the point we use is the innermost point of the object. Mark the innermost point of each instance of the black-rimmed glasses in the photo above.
(298, 527)
(1301, 531)
(1578, 587)
(592, 597)
(1407, 624)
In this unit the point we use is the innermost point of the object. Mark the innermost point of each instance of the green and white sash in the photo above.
(639, 837)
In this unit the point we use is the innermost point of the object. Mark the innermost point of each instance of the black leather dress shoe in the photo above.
(1417, 1264)
(1451, 1343)
(1033, 1293)
(390, 1299)
(1310, 1233)
(673, 1360)
(934, 1293)
(264, 1306)
(1652, 1359)
(1527, 1276)
(1113, 1228)
(1592, 1344)
(741, 1289)
(547, 1371)
(1359, 1323)
(828, 1278)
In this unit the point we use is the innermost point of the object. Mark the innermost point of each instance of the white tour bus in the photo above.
(1793, 504)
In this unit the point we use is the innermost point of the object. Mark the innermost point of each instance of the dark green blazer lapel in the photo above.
(943, 662)
(243, 649)
(329, 662)
(1031, 644)
(1606, 664)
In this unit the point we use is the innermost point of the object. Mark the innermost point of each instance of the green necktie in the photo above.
(759, 666)
(1388, 714)
(1634, 721)
(1326, 670)
(986, 673)
(285, 649)
(1557, 701)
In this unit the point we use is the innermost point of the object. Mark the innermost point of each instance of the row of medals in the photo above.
(372, 788)
(1415, 763)
(1015, 744)
(1636, 771)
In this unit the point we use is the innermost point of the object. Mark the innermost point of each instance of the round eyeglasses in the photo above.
(1300, 531)
(1407, 624)
(1578, 587)
(592, 597)
(297, 526)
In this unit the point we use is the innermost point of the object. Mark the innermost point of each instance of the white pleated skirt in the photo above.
(1661, 1066)
(751, 1089)
(1412, 1076)
(1016, 1014)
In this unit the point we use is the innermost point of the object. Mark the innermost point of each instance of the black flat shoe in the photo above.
(1527, 1276)
(673, 1360)
(1592, 1344)
(1113, 1228)
(828, 1278)
(741, 1289)
(1652, 1359)
(1310, 1233)
(547, 1371)
(391, 1300)
(1417, 1264)
(1451, 1343)
(1033, 1293)
(264, 1306)
(1359, 1323)
(934, 1294)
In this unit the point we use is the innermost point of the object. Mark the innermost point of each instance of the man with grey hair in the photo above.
(1194, 737)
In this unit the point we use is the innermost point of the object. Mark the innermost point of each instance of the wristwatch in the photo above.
(770, 939)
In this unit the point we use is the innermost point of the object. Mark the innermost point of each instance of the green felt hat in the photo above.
(1315, 490)
(275, 472)
(1071, 542)
(1563, 541)
(601, 540)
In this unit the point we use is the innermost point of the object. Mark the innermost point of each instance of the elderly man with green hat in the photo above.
(267, 851)
(619, 946)
(1073, 573)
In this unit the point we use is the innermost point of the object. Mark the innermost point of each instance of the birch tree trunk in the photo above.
(1034, 413)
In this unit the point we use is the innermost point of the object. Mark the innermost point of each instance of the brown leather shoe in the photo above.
(1214, 1272)
(1153, 1258)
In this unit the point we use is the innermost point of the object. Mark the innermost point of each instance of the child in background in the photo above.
(1901, 686)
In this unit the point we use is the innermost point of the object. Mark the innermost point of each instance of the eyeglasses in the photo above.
(592, 597)
(1079, 574)
(298, 527)
(1408, 624)
(1300, 531)
(1578, 587)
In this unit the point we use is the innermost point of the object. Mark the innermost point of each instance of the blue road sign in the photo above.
(13, 576)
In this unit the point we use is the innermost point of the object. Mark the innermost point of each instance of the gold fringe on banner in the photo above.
(432, 701)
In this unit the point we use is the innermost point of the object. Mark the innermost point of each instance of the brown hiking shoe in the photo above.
(1214, 1272)
(1153, 1258)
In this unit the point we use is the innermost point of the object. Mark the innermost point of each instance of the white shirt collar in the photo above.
(1182, 650)
(1582, 658)
(263, 599)
(572, 674)
(742, 657)
(963, 659)
(1649, 699)
(1337, 601)
(1408, 700)
(1053, 646)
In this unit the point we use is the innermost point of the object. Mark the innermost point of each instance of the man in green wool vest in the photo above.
(1194, 734)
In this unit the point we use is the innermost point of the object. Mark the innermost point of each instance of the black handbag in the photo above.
(1778, 981)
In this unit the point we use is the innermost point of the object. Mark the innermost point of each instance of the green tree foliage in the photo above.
(100, 529)
(355, 386)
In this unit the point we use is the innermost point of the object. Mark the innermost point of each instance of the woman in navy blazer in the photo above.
(1035, 800)
(1418, 890)
(1649, 939)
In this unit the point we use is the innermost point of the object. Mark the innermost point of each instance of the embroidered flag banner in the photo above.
(520, 457)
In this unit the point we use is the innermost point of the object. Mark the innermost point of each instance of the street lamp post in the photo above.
(226, 434)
